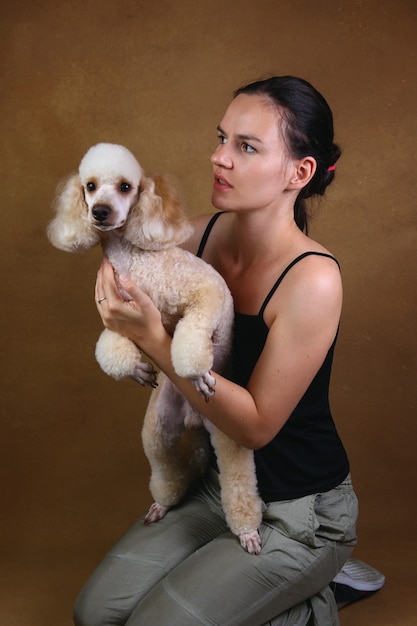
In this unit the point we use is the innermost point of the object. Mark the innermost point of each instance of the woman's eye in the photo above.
(222, 139)
(90, 186)
(125, 187)
(247, 148)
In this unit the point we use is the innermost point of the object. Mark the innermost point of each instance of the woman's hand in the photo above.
(137, 318)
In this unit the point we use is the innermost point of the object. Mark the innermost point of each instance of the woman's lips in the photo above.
(220, 183)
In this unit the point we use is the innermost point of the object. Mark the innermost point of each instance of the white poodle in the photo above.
(139, 222)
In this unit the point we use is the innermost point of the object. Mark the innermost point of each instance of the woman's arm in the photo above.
(303, 322)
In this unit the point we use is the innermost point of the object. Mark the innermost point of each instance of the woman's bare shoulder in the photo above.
(199, 224)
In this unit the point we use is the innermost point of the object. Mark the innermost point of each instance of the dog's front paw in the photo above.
(155, 513)
(251, 542)
(145, 374)
(205, 384)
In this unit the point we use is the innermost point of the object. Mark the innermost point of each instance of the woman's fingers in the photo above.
(124, 308)
(139, 297)
(99, 288)
(106, 288)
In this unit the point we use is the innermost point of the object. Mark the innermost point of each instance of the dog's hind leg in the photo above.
(177, 455)
(240, 499)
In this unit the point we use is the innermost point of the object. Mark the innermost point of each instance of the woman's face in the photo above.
(251, 165)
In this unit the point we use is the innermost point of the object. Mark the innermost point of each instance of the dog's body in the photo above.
(139, 222)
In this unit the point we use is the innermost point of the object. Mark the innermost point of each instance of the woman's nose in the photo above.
(221, 156)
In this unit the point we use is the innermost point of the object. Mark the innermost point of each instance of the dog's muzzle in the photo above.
(101, 212)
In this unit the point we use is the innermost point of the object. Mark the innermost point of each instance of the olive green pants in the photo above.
(188, 569)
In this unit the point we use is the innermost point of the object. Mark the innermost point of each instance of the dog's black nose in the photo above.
(101, 212)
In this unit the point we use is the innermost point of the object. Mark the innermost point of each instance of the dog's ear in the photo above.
(158, 220)
(70, 230)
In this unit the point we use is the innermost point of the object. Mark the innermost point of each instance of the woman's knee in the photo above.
(102, 600)
(87, 612)
(92, 609)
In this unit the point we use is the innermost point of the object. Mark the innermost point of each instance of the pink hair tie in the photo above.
(331, 168)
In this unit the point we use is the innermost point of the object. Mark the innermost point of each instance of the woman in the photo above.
(275, 150)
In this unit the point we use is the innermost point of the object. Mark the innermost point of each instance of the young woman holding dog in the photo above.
(275, 150)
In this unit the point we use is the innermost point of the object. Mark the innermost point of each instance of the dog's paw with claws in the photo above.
(155, 513)
(205, 384)
(251, 542)
(145, 374)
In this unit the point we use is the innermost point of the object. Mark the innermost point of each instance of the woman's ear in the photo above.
(157, 221)
(304, 170)
(70, 230)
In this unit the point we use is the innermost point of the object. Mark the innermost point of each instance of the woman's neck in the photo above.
(255, 239)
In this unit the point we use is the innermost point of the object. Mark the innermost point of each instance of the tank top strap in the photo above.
(285, 272)
(207, 232)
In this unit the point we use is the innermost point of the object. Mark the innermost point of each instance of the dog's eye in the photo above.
(90, 186)
(125, 187)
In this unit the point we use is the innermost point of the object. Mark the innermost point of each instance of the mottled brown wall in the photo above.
(156, 76)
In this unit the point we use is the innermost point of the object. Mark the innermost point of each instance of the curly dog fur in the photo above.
(139, 222)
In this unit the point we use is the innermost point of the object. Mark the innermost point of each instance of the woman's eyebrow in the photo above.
(241, 136)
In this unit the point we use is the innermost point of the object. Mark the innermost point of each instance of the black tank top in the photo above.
(307, 455)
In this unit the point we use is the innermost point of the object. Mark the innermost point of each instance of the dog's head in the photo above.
(111, 192)
(110, 177)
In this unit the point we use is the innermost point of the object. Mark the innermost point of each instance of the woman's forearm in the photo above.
(231, 408)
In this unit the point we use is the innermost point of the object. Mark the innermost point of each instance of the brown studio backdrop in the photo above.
(157, 77)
